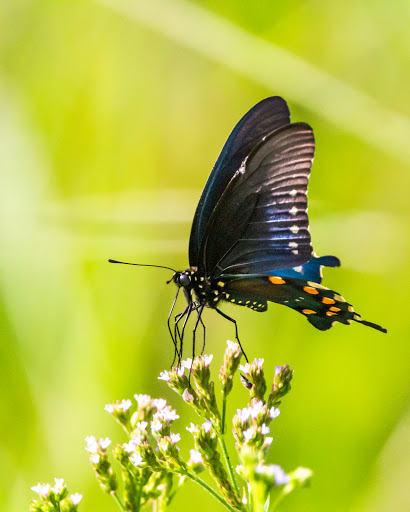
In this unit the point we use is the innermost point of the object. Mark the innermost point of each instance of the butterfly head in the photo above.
(183, 279)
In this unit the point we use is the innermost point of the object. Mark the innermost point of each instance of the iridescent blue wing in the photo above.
(262, 119)
(312, 270)
(321, 306)
(260, 223)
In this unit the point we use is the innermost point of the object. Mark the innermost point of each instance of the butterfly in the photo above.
(250, 242)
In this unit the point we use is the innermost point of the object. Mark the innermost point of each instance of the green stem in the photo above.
(228, 463)
(277, 500)
(224, 400)
(250, 498)
(118, 500)
(211, 491)
(223, 445)
(139, 492)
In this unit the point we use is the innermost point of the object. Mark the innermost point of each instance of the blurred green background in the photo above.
(111, 117)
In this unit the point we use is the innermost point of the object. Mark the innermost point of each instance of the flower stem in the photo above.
(228, 462)
(277, 500)
(223, 414)
(139, 494)
(118, 500)
(208, 488)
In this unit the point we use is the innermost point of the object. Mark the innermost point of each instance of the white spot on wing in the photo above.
(293, 192)
(293, 210)
(294, 229)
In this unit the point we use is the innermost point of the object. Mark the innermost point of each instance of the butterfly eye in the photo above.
(184, 280)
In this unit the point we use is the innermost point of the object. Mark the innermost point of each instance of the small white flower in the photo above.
(268, 441)
(142, 425)
(159, 403)
(245, 368)
(180, 371)
(280, 476)
(76, 498)
(248, 434)
(265, 429)
(130, 447)
(109, 408)
(275, 472)
(59, 486)
(136, 459)
(233, 346)
(164, 376)
(124, 405)
(277, 369)
(143, 400)
(191, 428)
(105, 443)
(95, 458)
(163, 444)
(42, 489)
(169, 414)
(208, 359)
(186, 395)
(302, 474)
(243, 414)
(156, 425)
(274, 412)
(137, 439)
(256, 408)
(207, 426)
(259, 362)
(187, 364)
(175, 438)
(196, 457)
(92, 444)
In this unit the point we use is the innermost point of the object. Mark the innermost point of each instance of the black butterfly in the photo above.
(250, 240)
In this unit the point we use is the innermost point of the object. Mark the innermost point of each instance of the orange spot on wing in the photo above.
(310, 290)
(326, 300)
(276, 280)
(330, 313)
(308, 311)
(333, 308)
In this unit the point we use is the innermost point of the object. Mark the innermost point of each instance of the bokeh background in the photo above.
(112, 114)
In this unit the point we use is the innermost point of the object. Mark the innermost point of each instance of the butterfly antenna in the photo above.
(140, 264)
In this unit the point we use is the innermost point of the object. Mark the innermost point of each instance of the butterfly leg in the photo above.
(177, 333)
(174, 341)
(198, 319)
(203, 343)
(181, 335)
(236, 329)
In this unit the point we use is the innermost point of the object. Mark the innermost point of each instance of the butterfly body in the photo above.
(250, 242)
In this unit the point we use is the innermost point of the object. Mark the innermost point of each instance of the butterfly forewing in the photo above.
(266, 116)
(260, 222)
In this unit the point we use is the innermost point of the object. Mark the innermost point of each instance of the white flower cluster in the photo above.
(44, 490)
(246, 367)
(94, 446)
(122, 406)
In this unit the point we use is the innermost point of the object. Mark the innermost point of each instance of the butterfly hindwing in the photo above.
(321, 306)
(312, 270)
(260, 223)
(265, 117)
